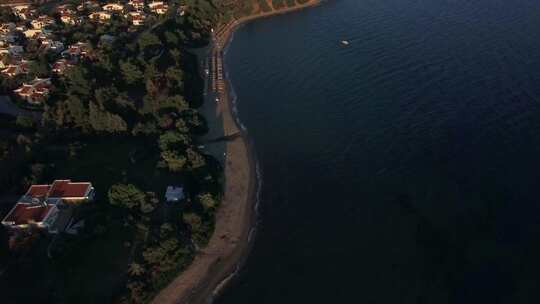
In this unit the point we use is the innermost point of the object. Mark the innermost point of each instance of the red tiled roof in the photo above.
(25, 90)
(11, 70)
(38, 190)
(36, 96)
(65, 188)
(24, 213)
(41, 87)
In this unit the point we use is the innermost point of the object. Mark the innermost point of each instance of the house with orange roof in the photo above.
(61, 65)
(13, 50)
(100, 16)
(5, 61)
(42, 21)
(6, 28)
(136, 4)
(41, 206)
(158, 7)
(35, 92)
(113, 7)
(22, 11)
(52, 45)
(68, 18)
(79, 49)
(137, 18)
(13, 70)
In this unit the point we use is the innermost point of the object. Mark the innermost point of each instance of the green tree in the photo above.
(104, 121)
(195, 159)
(78, 82)
(147, 39)
(175, 76)
(136, 269)
(172, 38)
(171, 140)
(24, 122)
(39, 68)
(126, 195)
(77, 113)
(207, 201)
(175, 162)
(131, 72)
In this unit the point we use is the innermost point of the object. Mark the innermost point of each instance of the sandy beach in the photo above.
(215, 265)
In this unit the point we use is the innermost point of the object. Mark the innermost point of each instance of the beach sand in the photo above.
(215, 265)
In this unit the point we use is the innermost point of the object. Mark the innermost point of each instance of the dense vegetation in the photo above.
(124, 118)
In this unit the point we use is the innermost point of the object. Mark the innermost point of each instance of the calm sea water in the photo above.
(403, 168)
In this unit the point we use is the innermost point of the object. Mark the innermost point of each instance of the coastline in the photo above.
(215, 265)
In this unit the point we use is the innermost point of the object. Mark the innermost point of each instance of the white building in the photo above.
(174, 194)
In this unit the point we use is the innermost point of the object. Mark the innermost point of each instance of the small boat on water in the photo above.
(344, 42)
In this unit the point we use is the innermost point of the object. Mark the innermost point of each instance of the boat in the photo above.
(344, 42)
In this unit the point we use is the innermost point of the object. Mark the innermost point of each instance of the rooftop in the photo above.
(24, 213)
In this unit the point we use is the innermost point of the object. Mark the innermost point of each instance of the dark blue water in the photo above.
(401, 169)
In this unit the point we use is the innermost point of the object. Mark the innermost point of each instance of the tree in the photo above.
(207, 201)
(175, 102)
(130, 72)
(136, 269)
(193, 220)
(195, 159)
(171, 38)
(126, 195)
(148, 39)
(39, 68)
(175, 76)
(181, 126)
(171, 140)
(104, 121)
(24, 122)
(6, 15)
(174, 161)
(77, 113)
(137, 292)
(78, 82)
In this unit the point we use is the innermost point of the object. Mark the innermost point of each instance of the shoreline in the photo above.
(218, 263)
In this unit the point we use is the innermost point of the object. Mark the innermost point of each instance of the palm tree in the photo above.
(135, 269)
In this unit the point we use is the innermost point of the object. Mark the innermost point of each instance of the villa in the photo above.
(174, 194)
(7, 28)
(60, 66)
(65, 9)
(100, 16)
(22, 11)
(5, 60)
(76, 50)
(158, 7)
(52, 45)
(41, 22)
(113, 7)
(47, 206)
(68, 18)
(36, 91)
(182, 10)
(136, 18)
(13, 50)
(13, 70)
(88, 5)
(136, 4)
(32, 33)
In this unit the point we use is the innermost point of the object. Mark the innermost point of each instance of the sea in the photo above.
(403, 167)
